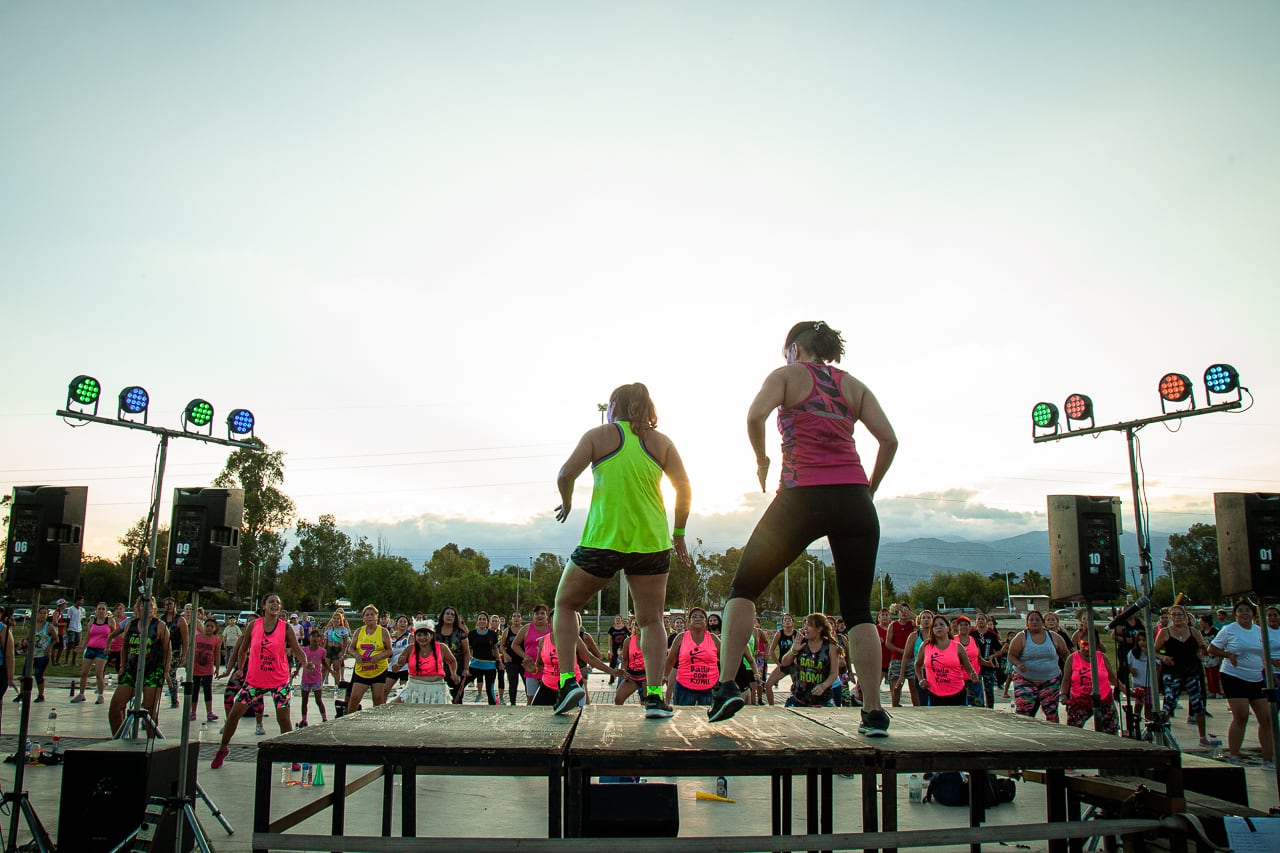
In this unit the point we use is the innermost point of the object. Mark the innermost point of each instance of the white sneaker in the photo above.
(259, 730)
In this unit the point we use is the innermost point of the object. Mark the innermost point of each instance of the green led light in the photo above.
(86, 390)
(199, 413)
(1044, 415)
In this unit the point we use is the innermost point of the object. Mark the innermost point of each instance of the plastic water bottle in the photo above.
(52, 728)
(915, 788)
(307, 775)
(57, 746)
(722, 786)
(204, 727)
(286, 774)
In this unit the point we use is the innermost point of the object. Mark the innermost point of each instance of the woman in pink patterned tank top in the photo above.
(823, 491)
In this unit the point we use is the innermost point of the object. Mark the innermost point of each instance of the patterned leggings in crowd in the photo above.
(1174, 685)
(1030, 696)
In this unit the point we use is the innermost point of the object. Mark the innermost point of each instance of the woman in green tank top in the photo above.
(626, 530)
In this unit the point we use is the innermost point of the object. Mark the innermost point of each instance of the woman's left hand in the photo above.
(682, 550)
(762, 472)
(562, 511)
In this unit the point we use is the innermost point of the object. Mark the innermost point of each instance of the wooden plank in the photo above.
(288, 821)
(439, 735)
(934, 739)
(757, 740)
(728, 844)
(1139, 795)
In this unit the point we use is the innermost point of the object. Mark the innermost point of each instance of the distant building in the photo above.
(1022, 603)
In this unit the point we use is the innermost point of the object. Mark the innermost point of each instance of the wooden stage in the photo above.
(406, 740)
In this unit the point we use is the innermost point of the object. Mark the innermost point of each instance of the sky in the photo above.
(423, 241)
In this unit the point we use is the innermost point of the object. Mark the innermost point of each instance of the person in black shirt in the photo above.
(617, 636)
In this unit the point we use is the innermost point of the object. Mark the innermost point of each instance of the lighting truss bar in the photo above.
(1125, 426)
(252, 444)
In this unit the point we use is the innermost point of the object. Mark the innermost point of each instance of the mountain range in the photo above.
(907, 561)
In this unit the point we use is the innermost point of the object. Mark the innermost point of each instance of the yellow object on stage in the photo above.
(702, 795)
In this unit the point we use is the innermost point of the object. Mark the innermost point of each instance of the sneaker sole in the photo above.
(727, 710)
(657, 714)
(570, 700)
(874, 732)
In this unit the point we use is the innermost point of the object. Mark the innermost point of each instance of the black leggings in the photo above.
(515, 677)
(799, 516)
(483, 675)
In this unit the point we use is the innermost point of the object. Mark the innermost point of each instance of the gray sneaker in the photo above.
(874, 723)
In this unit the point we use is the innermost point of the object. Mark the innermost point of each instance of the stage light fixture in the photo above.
(199, 414)
(240, 424)
(83, 393)
(1044, 416)
(1078, 407)
(1176, 388)
(1221, 379)
(134, 400)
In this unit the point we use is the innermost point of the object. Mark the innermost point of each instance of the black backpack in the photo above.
(952, 789)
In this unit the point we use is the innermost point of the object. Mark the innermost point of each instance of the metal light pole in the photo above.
(1008, 595)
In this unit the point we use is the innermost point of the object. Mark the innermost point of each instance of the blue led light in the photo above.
(134, 400)
(240, 422)
(1221, 378)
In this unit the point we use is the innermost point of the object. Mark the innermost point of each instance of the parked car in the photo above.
(21, 614)
(245, 616)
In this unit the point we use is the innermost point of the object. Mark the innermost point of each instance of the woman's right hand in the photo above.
(762, 472)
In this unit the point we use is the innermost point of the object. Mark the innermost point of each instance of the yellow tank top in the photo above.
(369, 645)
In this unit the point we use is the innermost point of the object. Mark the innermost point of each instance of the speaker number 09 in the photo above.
(182, 549)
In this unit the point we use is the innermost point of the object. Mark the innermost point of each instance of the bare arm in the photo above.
(595, 442)
(673, 467)
(768, 398)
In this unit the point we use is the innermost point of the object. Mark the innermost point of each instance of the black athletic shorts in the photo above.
(603, 563)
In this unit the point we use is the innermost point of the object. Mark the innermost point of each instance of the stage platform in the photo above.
(401, 741)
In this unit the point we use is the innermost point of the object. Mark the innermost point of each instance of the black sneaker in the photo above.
(724, 702)
(568, 697)
(655, 708)
(874, 723)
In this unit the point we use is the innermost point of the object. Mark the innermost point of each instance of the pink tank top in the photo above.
(1082, 678)
(972, 649)
(531, 638)
(98, 635)
(433, 665)
(268, 656)
(635, 655)
(551, 666)
(699, 663)
(943, 669)
(817, 436)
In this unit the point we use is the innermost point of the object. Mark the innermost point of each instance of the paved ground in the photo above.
(475, 806)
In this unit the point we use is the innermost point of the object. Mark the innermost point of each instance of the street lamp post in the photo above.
(1008, 594)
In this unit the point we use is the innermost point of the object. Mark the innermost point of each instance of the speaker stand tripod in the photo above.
(182, 804)
(18, 799)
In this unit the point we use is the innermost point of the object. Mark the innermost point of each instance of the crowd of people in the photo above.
(718, 661)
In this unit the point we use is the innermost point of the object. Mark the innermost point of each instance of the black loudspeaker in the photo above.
(1248, 542)
(106, 786)
(46, 524)
(1084, 548)
(204, 540)
(632, 810)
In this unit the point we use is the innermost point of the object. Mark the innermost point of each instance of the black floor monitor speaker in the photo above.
(106, 786)
(1248, 542)
(204, 540)
(1084, 548)
(46, 525)
(632, 810)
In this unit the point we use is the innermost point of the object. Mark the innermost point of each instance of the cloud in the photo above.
(951, 513)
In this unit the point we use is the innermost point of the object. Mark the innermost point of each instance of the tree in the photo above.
(319, 561)
(685, 588)
(1192, 560)
(959, 590)
(452, 562)
(716, 572)
(389, 582)
(103, 580)
(136, 542)
(1033, 583)
(268, 513)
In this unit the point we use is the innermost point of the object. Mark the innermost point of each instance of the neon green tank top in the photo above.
(627, 513)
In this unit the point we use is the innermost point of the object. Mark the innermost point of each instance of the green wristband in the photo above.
(679, 531)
